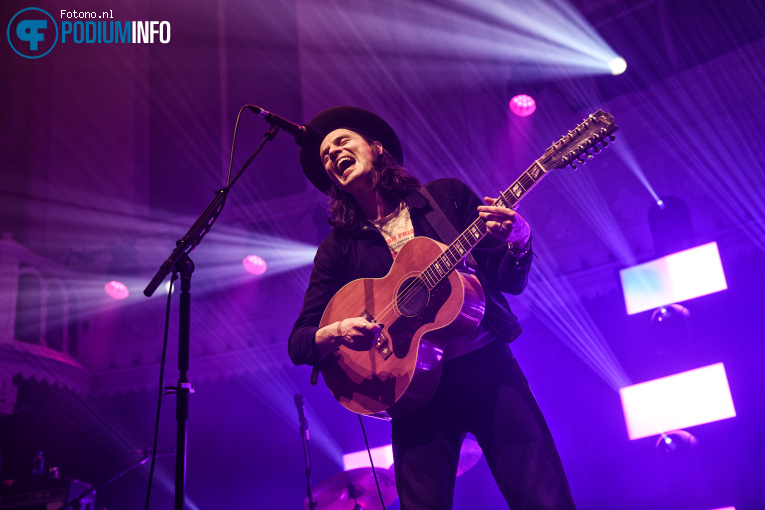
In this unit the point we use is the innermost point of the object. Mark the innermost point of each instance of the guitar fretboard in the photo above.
(468, 239)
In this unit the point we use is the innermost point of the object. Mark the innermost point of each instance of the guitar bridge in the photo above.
(382, 344)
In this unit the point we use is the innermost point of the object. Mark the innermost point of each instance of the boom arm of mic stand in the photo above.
(190, 240)
(203, 223)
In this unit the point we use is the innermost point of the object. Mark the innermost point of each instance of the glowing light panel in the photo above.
(677, 401)
(617, 65)
(254, 264)
(116, 290)
(677, 277)
(523, 105)
(382, 457)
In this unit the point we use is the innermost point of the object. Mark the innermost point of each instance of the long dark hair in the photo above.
(390, 179)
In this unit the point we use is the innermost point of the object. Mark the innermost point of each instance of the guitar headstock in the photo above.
(581, 142)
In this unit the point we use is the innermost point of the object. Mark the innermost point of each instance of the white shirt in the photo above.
(397, 229)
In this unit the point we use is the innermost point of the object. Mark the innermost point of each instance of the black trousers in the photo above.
(484, 393)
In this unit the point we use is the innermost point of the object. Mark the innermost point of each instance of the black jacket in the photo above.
(346, 255)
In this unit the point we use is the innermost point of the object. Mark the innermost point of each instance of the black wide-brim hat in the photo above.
(355, 119)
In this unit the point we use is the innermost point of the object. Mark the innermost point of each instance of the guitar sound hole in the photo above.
(412, 297)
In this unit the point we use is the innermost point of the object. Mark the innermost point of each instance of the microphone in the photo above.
(300, 403)
(305, 135)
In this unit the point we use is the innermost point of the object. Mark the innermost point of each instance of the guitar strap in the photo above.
(441, 224)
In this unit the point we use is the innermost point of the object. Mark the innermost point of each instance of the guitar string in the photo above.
(415, 286)
(526, 182)
(417, 283)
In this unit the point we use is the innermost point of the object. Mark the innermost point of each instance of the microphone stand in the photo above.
(307, 456)
(179, 261)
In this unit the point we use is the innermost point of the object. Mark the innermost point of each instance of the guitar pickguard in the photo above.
(403, 329)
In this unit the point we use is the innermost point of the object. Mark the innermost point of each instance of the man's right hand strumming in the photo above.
(356, 333)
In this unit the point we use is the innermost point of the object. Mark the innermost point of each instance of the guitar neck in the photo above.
(468, 239)
(568, 151)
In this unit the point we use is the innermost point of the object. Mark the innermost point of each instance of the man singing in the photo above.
(375, 207)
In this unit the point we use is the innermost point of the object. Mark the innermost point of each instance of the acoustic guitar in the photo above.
(429, 299)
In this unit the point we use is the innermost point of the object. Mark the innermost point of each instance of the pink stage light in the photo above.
(254, 264)
(523, 105)
(677, 277)
(726, 508)
(382, 457)
(116, 290)
(677, 401)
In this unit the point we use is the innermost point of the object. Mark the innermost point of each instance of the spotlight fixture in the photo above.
(526, 83)
(617, 65)
(116, 290)
(254, 264)
(670, 312)
(676, 441)
(523, 105)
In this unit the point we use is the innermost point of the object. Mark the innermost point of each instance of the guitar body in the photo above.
(401, 372)
(425, 302)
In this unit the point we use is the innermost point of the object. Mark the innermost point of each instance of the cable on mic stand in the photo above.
(371, 462)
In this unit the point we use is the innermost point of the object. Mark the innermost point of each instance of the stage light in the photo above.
(678, 277)
(618, 65)
(670, 312)
(676, 440)
(382, 456)
(681, 400)
(624, 152)
(523, 105)
(254, 264)
(167, 284)
(116, 290)
(671, 226)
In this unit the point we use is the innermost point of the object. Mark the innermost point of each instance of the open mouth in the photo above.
(345, 163)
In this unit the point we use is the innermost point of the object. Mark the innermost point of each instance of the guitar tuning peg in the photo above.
(612, 138)
(581, 161)
(595, 148)
(589, 155)
(573, 166)
(604, 142)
